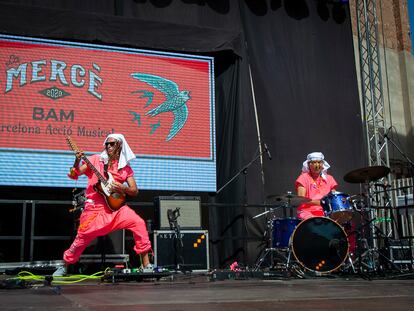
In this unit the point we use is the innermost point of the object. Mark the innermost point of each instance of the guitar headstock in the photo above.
(72, 144)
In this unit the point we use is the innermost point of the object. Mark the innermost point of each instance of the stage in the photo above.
(204, 292)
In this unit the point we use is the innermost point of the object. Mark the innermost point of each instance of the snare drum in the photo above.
(319, 244)
(282, 229)
(336, 205)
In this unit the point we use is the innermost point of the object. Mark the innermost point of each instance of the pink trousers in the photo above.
(98, 222)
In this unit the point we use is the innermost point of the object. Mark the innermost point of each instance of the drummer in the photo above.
(314, 183)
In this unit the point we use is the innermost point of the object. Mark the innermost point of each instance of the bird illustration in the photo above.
(155, 126)
(149, 95)
(137, 117)
(176, 100)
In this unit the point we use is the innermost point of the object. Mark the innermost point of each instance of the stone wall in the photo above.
(397, 67)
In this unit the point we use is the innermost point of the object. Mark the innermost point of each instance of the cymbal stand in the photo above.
(365, 252)
(368, 256)
(269, 250)
(383, 200)
(373, 243)
(351, 263)
(365, 247)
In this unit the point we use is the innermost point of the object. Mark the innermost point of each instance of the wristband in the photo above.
(74, 173)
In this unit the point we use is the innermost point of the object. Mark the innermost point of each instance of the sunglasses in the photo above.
(110, 143)
(316, 162)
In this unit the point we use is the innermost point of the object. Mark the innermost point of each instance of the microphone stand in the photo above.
(400, 151)
(411, 164)
(243, 170)
(178, 242)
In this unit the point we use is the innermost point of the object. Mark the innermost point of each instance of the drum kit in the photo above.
(336, 241)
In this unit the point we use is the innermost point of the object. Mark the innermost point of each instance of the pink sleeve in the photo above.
(300, 181)
(332, 182)
(129, 171)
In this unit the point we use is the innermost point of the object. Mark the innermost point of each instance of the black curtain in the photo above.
(300, 54)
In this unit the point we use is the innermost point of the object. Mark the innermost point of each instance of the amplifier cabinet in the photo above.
(189, 209)
(194, 250)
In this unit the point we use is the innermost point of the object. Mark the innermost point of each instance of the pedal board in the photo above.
(126, 275)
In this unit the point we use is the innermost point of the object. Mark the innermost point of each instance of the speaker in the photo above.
(194, 252)
(109, 248)
(112, 243)
(189, 208)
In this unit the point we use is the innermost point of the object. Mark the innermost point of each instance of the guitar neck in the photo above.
(93, 168)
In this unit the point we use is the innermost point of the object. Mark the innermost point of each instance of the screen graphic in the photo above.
(163, 103)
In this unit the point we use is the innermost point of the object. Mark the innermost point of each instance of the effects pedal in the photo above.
(127, 275)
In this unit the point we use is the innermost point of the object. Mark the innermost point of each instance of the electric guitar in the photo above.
(114, 200)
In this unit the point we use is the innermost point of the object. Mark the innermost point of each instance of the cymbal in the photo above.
(366, 174)
(289, 198)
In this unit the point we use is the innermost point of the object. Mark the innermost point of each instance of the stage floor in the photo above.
(200, 292)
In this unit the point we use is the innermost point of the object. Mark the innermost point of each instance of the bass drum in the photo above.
(319, 244)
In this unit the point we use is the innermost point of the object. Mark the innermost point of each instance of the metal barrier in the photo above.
(28, 234)
(394, 209)
(31, 237)
(22, 236)
(402, 199)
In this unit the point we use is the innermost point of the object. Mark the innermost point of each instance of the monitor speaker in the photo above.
(112, 243)
(189, 208)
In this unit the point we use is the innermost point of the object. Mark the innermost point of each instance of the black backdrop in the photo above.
(300, 54)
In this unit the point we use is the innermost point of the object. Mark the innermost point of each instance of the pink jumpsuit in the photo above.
(98, 220)
(315, 190)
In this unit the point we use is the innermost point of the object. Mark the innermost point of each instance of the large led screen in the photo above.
(162, 102)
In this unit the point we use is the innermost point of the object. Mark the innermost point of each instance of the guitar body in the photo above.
(114, 200)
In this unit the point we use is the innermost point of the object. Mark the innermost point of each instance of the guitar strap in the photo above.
(106, 170)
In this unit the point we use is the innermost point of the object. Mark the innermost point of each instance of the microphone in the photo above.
(170, 215)
(267, 151)
(173, 215)
(385, 135)
(387, 132)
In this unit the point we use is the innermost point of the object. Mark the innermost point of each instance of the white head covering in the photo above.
(316, 156)
(126, 154)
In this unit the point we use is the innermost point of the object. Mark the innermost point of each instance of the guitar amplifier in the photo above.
(108, 250)
(110, 244)
(192, 256)
(189, 210)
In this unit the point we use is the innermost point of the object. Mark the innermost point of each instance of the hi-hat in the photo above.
(366, 174)
(288, 198)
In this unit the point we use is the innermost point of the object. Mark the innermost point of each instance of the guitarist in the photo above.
(98, 219)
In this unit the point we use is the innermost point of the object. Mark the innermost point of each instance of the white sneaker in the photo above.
(148, 268)
(61, 271)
